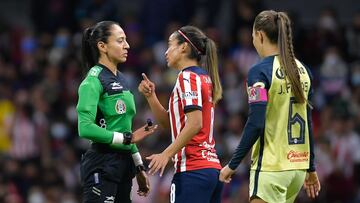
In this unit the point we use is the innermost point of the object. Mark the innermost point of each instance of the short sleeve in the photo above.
(190, 91)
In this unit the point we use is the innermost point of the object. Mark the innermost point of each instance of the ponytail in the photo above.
(211, 65)
(287, 56)
(91, 36)
(203, 49)
(88, 58)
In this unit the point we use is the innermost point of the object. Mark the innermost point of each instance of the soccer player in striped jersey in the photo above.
(105, 109)
(279, 127)
(190, 117)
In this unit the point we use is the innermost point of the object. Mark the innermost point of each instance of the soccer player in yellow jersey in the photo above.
(279, 126)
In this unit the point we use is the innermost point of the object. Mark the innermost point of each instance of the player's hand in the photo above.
(312, 184)
(146, 87)
(225, 174)
(158, 162)
(143, 183)
(143, 132)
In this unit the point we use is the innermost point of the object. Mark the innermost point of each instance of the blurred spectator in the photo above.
(353, 37)
(40, 72)
(334, 73)
(7, 110)
(244, 54)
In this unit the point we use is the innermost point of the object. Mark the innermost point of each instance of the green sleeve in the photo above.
(89, 94)
(134, 149)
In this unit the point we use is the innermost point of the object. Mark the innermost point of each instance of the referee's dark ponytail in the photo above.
(203, 48)
(277, 27)
(90, 38)
(88, 53)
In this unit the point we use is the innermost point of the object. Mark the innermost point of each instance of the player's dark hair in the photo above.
(91, 36)
(277, 27)
(202, 47)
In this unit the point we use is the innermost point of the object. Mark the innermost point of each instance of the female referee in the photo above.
(190, 117)
(279, 127)
(105, 111)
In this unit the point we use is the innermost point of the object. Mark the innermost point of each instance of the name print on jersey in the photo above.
(285, 88)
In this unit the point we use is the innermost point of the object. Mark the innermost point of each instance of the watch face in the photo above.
(128, 137)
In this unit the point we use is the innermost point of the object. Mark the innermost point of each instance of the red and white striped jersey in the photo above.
(193, 91)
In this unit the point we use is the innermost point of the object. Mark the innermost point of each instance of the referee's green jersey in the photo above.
(105, 106)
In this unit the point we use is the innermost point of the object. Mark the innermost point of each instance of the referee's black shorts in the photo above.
(106, 175)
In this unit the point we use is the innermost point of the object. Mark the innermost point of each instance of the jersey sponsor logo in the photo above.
(257, 94)
(120, 107)
(209, 153)
(295, 156)
(280, 73)
(190, 95)
(116, 86)
(209, 156)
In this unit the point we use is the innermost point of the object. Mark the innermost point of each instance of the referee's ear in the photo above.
(101, 46)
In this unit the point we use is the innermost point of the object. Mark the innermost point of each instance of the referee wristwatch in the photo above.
(127, 138)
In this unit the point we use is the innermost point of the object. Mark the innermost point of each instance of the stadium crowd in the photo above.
(40, 72)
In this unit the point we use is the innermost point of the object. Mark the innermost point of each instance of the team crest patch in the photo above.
(257, 94)
(120, 107)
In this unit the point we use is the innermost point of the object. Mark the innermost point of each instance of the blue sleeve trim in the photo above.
(309, 118)
(254, 128)
(311, 141)
(261, 72)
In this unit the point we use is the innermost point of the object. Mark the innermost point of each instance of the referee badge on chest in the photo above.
(120, 107)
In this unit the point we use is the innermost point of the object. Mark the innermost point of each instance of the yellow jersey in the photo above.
(285, 141)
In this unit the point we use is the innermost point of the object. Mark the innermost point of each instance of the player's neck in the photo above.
(270, 50)
(187, 63)
(108, 64)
